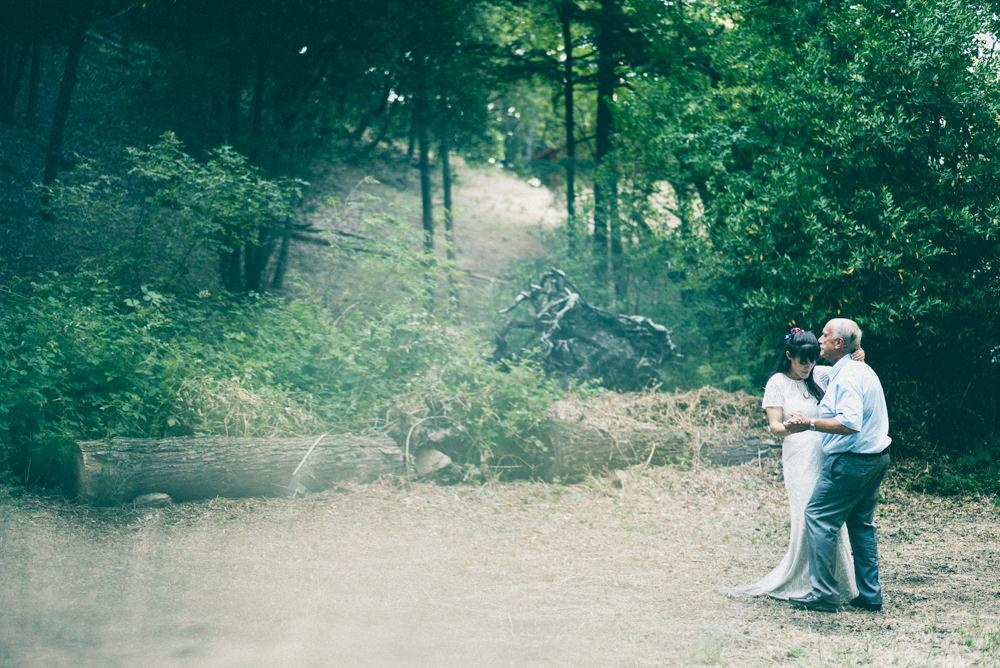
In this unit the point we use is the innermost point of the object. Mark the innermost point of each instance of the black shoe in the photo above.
(865, 605)
(813, 601)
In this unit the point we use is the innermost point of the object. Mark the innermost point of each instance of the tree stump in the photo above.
(118, 470)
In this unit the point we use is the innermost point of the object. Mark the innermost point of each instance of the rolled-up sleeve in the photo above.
(845, 404)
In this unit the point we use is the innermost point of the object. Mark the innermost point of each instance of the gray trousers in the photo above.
(846, 492)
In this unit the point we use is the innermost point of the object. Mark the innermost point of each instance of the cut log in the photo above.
(583, 443)
(740, 450)
(118, 470)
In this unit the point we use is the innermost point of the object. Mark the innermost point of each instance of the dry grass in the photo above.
(611, 571)
(697, 417)
(228, 407)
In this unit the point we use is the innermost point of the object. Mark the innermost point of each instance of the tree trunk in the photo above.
(61, 114)
(118, 470)
(233, 95)
(254, 263)
(449, 216)
(257, 105)
(380, 135)
(34, 76)
(231, 270)
(13, 87)
(423, 148)
(411, 137)
(565, 15)
(589, 437)
(376, 110)
(607, 244)
(281, 264)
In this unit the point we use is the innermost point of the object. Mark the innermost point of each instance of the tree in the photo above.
(847, 167)
(156, 224)
(82, 18)
(443, 70)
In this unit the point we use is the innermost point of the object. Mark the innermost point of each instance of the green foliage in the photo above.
(977, 472)
(86, 358)
(170, 213)
(497, 416)
(846, 165)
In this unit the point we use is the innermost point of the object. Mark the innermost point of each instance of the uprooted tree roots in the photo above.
(578, 341)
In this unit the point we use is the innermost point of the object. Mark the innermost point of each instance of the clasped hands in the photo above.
(797, 423)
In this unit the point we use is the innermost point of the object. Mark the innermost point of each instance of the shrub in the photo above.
(976, 472)
(86, 358)
(169, 214)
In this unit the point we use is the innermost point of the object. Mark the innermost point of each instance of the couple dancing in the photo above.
(834, 456)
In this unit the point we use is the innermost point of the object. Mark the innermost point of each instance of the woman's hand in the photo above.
(797, 423)
(858, 355)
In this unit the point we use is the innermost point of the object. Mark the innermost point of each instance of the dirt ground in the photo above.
(506, 574)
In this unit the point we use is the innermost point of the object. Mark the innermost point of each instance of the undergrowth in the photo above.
(83, 357)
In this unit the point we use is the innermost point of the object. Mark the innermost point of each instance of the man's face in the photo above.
(827, 343)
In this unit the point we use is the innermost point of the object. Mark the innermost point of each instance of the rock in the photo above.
(429, 461)
(155, 500)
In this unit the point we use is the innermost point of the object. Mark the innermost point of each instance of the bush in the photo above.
(85, 358)
(973, 473)
(170, 215)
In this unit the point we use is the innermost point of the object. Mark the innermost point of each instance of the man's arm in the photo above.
(844, 400)
(799, 423)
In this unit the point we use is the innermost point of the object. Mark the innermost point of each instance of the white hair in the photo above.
(848, 330)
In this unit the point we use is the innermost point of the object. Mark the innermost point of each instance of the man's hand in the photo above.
(797, 423)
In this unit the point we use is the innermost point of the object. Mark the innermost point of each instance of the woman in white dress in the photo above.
(797, 387)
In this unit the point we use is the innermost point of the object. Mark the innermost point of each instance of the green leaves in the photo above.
(166, 216)
(83, 358)
(846, 163)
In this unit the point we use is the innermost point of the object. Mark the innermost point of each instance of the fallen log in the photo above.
(118, 470)
(613, 431)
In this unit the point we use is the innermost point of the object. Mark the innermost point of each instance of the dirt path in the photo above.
(513, 574)
(499, 219)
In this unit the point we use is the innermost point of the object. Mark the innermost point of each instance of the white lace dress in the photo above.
(801, 460)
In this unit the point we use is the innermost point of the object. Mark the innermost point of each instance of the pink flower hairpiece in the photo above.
(792, 332)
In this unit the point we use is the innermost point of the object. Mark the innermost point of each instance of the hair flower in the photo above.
(792, 332)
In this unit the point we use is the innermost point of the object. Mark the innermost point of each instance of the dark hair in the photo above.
(804, 347)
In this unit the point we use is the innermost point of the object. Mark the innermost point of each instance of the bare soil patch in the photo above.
(505, 574)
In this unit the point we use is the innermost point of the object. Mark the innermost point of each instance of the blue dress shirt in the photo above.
(855, 399)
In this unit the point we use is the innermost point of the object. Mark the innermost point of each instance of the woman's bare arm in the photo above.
(776, 420)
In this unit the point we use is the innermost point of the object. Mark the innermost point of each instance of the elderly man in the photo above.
(855, 426)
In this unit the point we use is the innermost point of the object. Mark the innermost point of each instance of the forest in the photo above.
(175, 262)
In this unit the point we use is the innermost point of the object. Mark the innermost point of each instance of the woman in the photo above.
(797, 387)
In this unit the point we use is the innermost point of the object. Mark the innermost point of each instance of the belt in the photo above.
(867, 454)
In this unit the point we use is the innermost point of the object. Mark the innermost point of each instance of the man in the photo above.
(855, 427)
